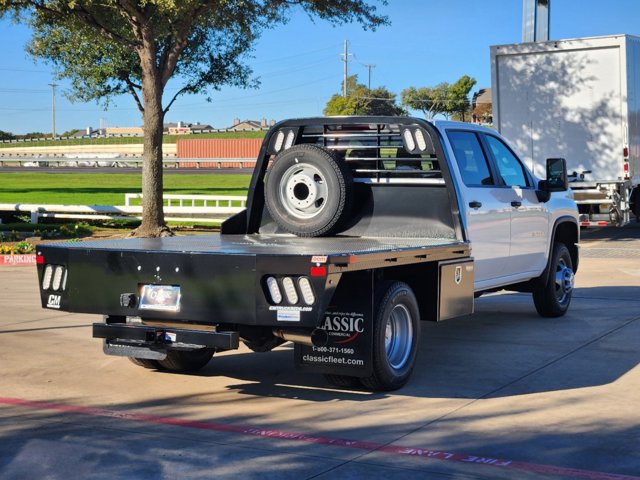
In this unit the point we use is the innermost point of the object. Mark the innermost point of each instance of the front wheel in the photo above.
(396, 333)
(553, 299)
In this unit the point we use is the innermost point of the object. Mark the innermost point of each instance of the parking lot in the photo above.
(500, 394)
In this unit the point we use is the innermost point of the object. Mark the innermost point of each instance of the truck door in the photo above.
(529, 217)
(487, 207)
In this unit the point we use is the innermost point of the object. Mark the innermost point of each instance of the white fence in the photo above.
(189, 208)
(130, 162)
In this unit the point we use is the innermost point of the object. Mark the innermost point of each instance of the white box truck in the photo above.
(578, 99)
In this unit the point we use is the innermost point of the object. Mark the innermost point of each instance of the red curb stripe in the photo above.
(17, 259)
(338, 442)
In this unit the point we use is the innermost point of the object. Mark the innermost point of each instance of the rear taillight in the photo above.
(54, 278)
(47, 276)
(274, 290)
(289, 290)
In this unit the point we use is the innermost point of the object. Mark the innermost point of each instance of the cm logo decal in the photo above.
(54, 301)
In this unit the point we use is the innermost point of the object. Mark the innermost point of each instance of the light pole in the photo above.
(53, 109)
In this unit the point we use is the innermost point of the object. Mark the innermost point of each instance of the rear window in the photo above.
(470, 158)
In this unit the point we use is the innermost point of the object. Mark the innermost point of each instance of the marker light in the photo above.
(46, 277)
(318, 271)
(57, 277)
(274, 290)
(290, 290)
(290, 138)
(422, 143)
(279, 141)
(306, 290)
(408, 139)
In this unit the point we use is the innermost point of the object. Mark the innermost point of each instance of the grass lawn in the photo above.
(108, 188)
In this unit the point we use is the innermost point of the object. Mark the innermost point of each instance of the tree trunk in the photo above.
(153, 224)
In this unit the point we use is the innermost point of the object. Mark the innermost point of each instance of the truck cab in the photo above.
(503, 212)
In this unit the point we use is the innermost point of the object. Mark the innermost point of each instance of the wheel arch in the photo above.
(567, 231)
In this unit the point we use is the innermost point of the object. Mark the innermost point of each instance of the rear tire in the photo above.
(396, 333)
(263, 345)
(186, 360)
(553, 299)
(145, 363)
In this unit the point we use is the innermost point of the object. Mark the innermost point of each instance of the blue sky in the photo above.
(299, 64)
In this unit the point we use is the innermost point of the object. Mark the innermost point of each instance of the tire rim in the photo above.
(398, 337)
(565, 280)
(303, 191)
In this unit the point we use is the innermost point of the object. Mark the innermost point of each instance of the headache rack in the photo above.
(378, 149)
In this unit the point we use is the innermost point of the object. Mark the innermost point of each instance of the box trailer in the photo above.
(578, 99)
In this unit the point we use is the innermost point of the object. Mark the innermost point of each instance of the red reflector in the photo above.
(603, 224)
(625, 152)
(585, 224)
(318, 271)
(39, 260)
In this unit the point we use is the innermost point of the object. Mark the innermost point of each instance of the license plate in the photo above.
(164, 298)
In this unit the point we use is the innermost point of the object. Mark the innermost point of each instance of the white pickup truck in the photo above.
(356, 229)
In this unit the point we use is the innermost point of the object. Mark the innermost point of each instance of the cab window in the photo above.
(471, 159)
(509, 167)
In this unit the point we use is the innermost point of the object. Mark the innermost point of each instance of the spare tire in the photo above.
(308, 191)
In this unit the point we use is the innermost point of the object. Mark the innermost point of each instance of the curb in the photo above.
(15, 260)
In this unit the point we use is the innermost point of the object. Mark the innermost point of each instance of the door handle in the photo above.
(516, 204)
(475, 204)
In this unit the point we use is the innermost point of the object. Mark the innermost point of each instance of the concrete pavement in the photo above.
(500, 394)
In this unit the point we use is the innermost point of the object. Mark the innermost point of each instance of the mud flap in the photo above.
(348, 322)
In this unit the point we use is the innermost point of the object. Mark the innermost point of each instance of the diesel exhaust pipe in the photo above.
(313, 338)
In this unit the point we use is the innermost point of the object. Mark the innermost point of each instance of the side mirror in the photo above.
(557, 179)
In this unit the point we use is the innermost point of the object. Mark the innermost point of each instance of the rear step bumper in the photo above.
(145, 336)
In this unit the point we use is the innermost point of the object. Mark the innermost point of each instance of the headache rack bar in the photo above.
(375, 150)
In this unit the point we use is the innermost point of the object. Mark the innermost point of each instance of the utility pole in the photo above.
(346, 55)
(53, 108)
(369, 66)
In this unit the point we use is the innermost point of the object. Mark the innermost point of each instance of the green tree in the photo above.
(431, 101)
(70, 133)
(459, 105)
(450, 100)
(111, 47)
(6, 135)
(360, 100)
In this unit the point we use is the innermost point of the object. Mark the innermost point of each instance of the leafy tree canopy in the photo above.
(361, 100)
(110, 47)
(429, 100)
(6, 135)
(445, 99)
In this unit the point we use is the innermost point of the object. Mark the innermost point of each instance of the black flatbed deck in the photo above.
(337, 249)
